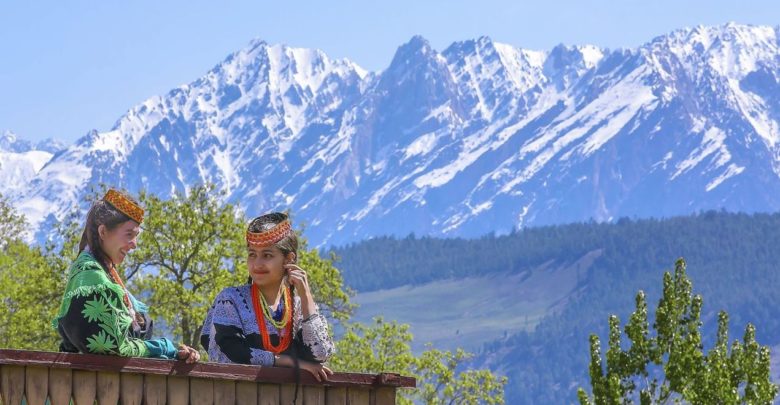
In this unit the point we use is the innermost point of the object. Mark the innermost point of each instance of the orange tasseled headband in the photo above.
(271, 236)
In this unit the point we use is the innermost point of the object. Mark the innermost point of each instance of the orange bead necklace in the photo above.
(285, 334)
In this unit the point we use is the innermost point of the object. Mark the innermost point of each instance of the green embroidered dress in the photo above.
(93, 317)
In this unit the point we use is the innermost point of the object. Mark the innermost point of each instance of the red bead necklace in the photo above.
(285, 335)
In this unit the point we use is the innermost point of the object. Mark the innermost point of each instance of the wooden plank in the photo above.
(233, 372)
(383, 396)
(178, 391)
(224, 392)
(336, 396)
(60, 385)
(155, 389)
(131, 389)
(108, 385)
(246, 393)
(37, 385)
(313, 395)
(287, 394)
(84, 387)
(201, 391)
(268, 394)
(358, 396)
(12, 382)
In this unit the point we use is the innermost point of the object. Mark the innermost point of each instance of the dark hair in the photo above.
(265, 222)
(101, 213)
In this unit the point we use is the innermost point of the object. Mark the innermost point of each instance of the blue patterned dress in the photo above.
(230, 333)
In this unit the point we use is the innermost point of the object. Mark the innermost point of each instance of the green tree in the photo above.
(385, 347)
(12, 224)
(326, 282)
(31, 279)
(190, 248)
(670, 365)
(28, 287)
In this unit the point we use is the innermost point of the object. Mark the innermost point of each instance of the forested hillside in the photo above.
(733, 261)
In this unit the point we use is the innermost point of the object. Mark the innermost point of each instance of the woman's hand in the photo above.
(298, 278)
(319, 371)
(188, 354)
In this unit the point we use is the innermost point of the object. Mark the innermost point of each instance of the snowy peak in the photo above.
(480, 137)
(494, 76)
(566, 64)
(288, 80)
(415, 63)
(416, 48)
(732, 50)
(416, 87)
(726, 71)
(280, 67)
(21, 160)
(10, 142)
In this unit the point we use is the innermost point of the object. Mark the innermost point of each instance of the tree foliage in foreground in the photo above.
(441, 379)
(669, 365)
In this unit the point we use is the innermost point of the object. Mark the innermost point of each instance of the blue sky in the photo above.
(71, 66)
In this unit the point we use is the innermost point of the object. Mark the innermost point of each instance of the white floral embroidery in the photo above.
(233, 307)
(261, 357)
(224, 311)
(315, 332)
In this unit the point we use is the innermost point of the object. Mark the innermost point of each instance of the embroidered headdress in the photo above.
(125, 205)
(270, 236)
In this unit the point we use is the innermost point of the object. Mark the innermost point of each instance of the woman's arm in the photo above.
(314, 327)
(316, 339)
(99, 323)
(319, 371)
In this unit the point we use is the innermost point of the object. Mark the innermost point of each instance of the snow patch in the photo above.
(731, 171)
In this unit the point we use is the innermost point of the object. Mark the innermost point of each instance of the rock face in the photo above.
(477, 138)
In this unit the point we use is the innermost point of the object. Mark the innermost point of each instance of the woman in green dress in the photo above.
(98, 314)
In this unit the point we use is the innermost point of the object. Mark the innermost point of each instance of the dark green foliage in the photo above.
(734, 259)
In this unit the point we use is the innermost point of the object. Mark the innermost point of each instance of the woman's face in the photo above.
(265, 265)
(117, 242)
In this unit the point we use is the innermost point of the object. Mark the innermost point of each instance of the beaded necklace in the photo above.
(269, 315)
(284, 327)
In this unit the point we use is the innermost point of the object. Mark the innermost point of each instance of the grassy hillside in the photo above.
(440, 310)
(733, 260)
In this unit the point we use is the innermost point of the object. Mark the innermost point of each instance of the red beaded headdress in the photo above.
(122, 203)
(271, 236)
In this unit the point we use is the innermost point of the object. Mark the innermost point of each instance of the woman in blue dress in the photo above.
(272, 320)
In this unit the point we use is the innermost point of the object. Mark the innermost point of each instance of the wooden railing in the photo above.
(34, 377)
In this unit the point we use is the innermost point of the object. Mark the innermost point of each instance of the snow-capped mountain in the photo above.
(20, 161)
(479, 137)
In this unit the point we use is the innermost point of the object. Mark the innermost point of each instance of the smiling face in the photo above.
(119, 241)
(266, 264)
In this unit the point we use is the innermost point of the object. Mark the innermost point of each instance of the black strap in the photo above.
(297, 375)
(295, 351)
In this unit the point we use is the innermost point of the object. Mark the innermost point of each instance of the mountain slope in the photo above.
(480, 137)
(21, 160)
